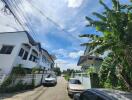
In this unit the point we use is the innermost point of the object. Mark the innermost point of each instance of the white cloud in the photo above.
(72, 29)
(74, 3)
(8, 22)
(64, 65)
(60, 52)
(76, 54)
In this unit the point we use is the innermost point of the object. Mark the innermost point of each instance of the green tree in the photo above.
(116, 26)
(57, 71)
(18, 71)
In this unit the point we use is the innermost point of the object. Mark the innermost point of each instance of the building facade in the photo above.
(88, 60)
(46, 61)
(20, 48)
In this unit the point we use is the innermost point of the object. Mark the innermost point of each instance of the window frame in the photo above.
(24, 55)
(8, 50)
(21, 53)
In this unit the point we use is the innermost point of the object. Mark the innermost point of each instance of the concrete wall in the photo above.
(85, 79)
(28, 79)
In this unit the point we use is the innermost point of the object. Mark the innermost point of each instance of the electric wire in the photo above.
(15, 11)
(27, 20)
(51, 20)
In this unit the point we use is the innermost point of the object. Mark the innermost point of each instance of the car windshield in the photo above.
(74, 81)
(51, 76)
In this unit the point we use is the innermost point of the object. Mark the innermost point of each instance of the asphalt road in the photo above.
(58, 92)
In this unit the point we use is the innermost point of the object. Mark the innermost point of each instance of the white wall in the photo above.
(7, 60)
(15, 39)
(26, 63)
(28, 79)
(46, 63)
(85, 79)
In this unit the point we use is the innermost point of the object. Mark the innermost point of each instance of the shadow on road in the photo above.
(10, 95)
(49, 85)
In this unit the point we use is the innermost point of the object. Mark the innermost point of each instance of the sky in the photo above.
(56, 24)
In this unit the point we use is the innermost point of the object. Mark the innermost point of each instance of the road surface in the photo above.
(58, 92)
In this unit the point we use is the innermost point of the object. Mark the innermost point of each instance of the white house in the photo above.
(88, 60)
(20, 48)
(46, 60)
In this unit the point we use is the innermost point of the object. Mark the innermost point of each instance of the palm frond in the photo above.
(116, 5)
(105, 6)
(89, 35)
(99, 16)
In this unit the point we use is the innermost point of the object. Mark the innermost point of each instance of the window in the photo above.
(21, 52)
(74, 81)
(31, 57)
(25, 55)
(6, 49)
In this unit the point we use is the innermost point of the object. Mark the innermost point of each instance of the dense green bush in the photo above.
(16, 88)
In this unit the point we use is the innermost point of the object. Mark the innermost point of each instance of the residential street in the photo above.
(58, 92)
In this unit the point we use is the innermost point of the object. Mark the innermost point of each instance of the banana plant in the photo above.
(116, 26)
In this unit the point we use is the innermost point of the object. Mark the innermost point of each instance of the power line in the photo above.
(26, 18)
(12, 7)
(27, 21)
(42, 13)
(50, 19)
(13, 13)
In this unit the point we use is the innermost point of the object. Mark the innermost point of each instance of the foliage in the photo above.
(116, 26)
(69, 72)
(18, 87)
(18, 70)
(57, 71)
(66, 77)
(91, 70)
(7, 82)
(36, 70)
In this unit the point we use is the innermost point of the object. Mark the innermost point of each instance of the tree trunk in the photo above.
(125, 78)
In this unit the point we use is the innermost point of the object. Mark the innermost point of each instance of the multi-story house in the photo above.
(46, 60)
(88, 60)
(20, 48)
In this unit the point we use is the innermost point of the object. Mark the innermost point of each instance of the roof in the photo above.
(86, 58)
(31, 40)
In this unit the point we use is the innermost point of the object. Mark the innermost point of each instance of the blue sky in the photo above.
(69, 15)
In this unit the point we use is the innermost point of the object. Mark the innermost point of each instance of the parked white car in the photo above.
(74, 86)
(50, 80)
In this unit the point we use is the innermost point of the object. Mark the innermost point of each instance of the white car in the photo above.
(50, 80)
(74, 86)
